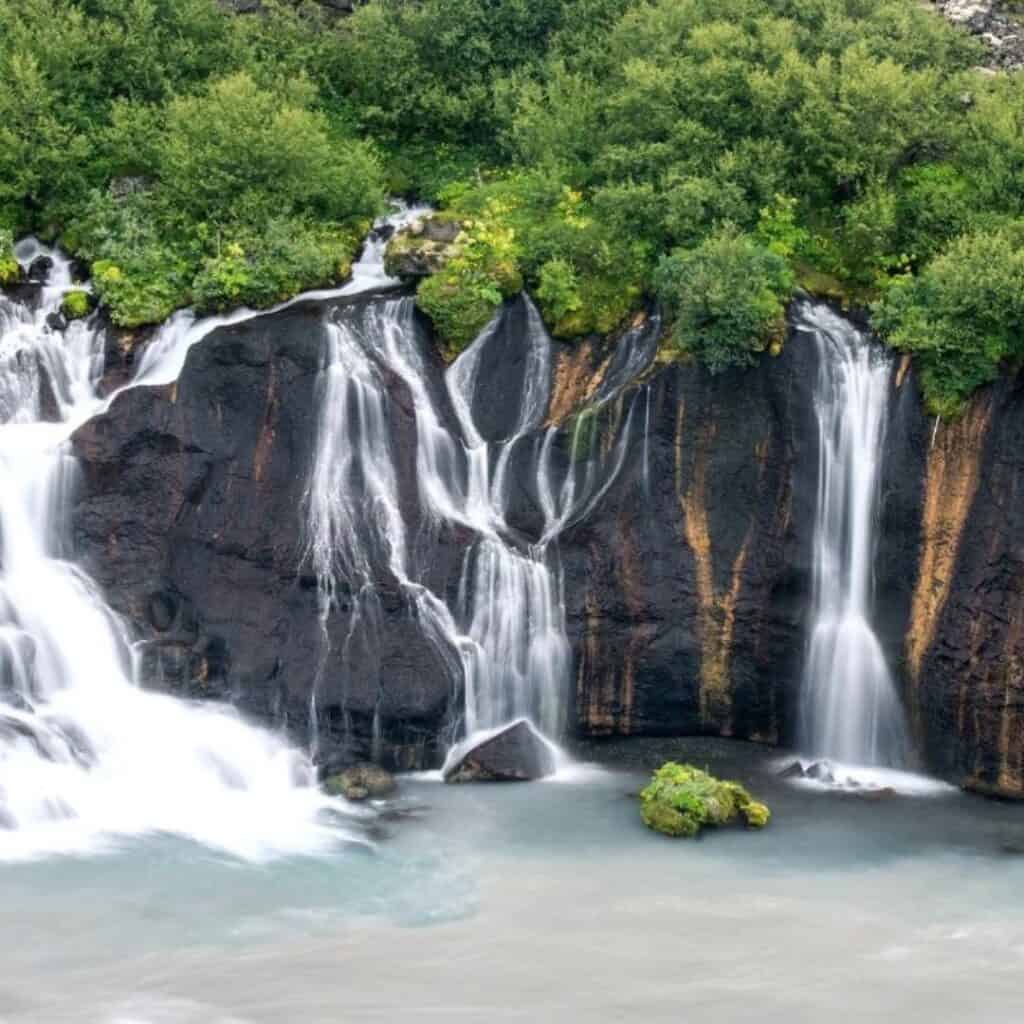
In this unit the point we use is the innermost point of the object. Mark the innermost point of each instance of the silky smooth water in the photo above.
(87, 756)
(504, 635)
(545, 903)
(850, 710)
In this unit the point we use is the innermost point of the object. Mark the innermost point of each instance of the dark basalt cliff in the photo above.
(686, 585)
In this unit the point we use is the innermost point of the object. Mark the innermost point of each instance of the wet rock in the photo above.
(361, 782)
(56, 322)
(793, 771)
(423, 248)
(516, 754)
(191, 508)
(820, 771)
(39, 269)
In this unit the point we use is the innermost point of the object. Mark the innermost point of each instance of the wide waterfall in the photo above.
(86, 753)
(850, 709)
(504, 631)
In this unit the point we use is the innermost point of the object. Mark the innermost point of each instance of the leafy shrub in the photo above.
(726, 297)
(482, 270)
(962, 316)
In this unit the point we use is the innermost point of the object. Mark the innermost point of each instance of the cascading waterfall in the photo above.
(851, 711)
(85, 753)
(507, 624)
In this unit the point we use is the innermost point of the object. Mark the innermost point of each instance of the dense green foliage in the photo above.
(710, 153)
(186, 167)
(727, 297)
(680, 800)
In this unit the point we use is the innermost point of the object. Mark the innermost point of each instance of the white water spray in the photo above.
(86, 755)
(851, 712)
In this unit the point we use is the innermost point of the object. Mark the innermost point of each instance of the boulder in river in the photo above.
(517, 753)
(361, 782)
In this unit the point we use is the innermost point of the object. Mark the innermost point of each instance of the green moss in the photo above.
(76, 304)
(680, 800)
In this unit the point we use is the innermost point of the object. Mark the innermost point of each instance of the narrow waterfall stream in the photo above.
(850, 709)
(504, 633)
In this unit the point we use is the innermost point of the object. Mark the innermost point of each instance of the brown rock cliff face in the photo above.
(687, 583)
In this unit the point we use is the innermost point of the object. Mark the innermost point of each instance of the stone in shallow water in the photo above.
(516, 754)
(361, 782)
(822, 771)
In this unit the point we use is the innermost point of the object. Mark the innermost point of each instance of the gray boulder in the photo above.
(516, 754)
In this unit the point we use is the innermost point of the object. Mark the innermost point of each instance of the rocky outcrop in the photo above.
(687, 592)
(998, 23)
(422, 248)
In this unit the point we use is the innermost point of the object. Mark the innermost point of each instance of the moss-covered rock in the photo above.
(680, 800)
(361, 782)
(76, 304)
(424, 247)
(10, 271)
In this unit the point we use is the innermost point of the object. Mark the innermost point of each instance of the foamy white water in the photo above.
(850, 709)
(86, 755)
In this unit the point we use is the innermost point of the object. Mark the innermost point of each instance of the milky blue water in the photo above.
(545, 902)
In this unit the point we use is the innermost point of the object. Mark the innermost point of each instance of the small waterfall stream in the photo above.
(504, 632)
(850, 710)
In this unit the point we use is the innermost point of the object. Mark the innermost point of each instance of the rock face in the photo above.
(422, 248)
(516, 754)
(191, 516)
(686, 579)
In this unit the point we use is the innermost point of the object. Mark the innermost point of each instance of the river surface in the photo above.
(544, 902)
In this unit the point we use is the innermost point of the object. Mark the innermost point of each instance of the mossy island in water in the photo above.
(76, 304)
(680, 800)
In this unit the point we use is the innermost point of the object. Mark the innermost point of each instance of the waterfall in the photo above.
(86, 754)
(504, 632)
(850, 709)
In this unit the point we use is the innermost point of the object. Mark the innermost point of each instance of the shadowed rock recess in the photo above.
(686, 583)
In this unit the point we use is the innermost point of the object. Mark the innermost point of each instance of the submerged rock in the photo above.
(516, 754)
(361, 782)
(681, 800)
